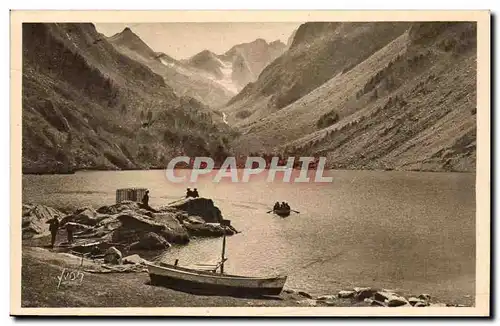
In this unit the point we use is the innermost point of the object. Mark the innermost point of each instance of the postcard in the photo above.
(250, 163)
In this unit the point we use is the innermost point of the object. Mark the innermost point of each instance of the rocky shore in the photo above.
(118, 239)
(126, 226)
(48, 282)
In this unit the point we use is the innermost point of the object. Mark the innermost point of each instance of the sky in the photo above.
(183, 40)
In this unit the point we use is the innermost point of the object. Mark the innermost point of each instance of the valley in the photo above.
(376, 96)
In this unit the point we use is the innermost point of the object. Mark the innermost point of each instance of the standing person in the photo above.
(145, 199)
(53, 228)
(69, 230)
(195, 193)
(145, 203)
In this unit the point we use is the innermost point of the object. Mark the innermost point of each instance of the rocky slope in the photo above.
(250, 59)
(207, 77)
(238, 66)
(87, 106)
(185, 80)
(410, 104)
(318, 52)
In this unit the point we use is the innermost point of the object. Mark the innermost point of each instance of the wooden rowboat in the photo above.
(205, 282)
(212, 283)
(282, 212)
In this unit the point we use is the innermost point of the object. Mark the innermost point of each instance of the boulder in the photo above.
(305, 294)
(346, 294)
(425, 297)
(145, 213)
(195, 220)
(174, 231)
(397, 301)
(382, 295)
(87, 216)
(150, 241)
(109, 223)
(113, 256)
(326, 298)
(130, 227)
(181, 216)
(34, 219)
(118, 208)
(91, 247)
(363, 293)
(133, 259)
(78, 228)
(134, 221)
(201, 207)
(421, 304)
(413, 301)
(207, 229)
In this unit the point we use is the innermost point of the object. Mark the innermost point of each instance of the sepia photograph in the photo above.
(250, 163)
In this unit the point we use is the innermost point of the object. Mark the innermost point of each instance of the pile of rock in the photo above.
(366, 296)
(34, 219)
(384, 298)
(114, 263)
(202, 207)
(128, 226)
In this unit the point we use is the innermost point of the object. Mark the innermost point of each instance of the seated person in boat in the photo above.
(189, 193)
(285, 205)
(195, 193)
(276, 206)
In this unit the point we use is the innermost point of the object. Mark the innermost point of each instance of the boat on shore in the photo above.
(206, 280)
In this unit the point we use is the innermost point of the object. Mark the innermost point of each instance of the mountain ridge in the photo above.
(309, 62)
(87, 106)
(410, 106)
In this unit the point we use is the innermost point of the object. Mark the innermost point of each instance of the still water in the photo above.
(408, 231)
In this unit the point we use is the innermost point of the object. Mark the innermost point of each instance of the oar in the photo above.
(269, 211)
(295, 211)
(175, 201)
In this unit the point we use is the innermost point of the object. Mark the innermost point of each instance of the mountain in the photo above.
(249, 59)
(85, 105)
(184, 80)
(291, 38)
(318, 52)
(390, 99)
(240, 65)
(207, 61)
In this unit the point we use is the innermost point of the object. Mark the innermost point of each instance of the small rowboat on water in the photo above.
(210, 282)
(282, 211)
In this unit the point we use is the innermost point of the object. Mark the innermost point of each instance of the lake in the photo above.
(412, 232)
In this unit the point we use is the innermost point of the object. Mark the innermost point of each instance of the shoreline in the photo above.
(44, 285)
(37, 258)
(73, 172)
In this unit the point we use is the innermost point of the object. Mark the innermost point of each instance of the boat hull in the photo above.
(208, 283)
(282, 212)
